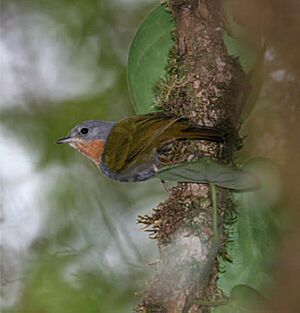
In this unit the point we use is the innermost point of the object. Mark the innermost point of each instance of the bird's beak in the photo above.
(67, 139)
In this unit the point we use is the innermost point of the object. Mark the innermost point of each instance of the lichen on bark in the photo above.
(206, 85)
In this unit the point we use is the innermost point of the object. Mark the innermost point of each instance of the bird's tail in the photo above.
(203, 133)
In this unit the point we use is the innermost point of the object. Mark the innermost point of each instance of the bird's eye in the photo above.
(84, 130)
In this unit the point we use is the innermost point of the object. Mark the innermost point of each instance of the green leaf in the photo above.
(244, 50)
(209, 171)
(148, 57)
(250, 52)
(245, 294)
(238, 42)
(243, 299)
(255, 236)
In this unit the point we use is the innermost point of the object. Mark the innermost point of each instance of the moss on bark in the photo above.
(207, 86)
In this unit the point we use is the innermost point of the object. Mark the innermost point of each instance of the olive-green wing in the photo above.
(134, 139)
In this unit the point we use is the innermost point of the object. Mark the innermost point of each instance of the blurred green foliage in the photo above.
(88, 255)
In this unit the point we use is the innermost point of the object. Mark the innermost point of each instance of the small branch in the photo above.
(215, 211)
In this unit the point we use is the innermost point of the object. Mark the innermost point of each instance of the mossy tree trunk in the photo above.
(208, 87)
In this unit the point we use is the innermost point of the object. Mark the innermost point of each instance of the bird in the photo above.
(129, 150)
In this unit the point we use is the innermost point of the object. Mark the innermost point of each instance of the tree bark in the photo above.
(208, 87)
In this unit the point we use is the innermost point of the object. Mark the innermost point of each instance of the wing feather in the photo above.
(133, 138)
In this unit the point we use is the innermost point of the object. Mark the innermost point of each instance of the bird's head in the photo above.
(88, 138)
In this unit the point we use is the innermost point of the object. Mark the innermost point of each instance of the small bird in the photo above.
(129, 150)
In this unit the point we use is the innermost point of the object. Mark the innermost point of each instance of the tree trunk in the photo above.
(207, 86)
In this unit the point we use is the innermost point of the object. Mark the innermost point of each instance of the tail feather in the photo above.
(203, 132)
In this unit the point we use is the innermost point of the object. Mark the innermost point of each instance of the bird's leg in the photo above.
(167, 189)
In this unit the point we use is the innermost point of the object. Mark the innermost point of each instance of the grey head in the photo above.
(88, 131)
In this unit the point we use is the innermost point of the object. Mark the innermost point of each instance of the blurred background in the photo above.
(70, 242)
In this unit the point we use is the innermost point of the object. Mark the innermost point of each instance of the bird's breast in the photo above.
(91, 149)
